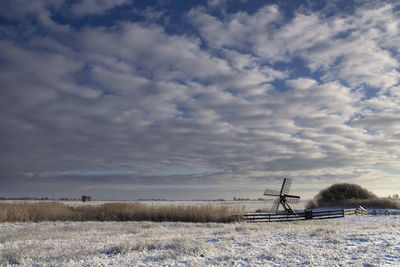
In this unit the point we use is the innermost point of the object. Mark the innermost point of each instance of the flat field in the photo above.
(350, 241)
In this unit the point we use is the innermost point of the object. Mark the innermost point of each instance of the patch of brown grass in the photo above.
(53, 211)
(34, 212)
(383, 203)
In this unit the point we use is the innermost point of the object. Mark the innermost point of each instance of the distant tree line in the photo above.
(38, 198)
(394, 196)
(246, 199)
(24, 198)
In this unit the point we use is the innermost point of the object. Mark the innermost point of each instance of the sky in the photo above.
(197, 99)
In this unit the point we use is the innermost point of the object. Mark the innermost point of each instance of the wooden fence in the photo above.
(386, 212)
(357, 211)
(306, 215)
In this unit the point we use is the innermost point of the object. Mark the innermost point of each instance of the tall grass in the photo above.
(54, 211)
(383, 203)
(34, 212)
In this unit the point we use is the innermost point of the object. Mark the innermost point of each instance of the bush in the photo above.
(349, 195)
(86, 198)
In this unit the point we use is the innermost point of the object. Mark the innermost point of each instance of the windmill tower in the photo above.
(282, 197)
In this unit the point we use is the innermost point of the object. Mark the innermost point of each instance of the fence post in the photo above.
(308, 214)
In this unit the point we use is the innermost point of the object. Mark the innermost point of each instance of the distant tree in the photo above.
(394, 196)
(86, 198)
(341, 194)
(344, 191)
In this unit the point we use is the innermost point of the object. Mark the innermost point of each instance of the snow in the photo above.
(350, 241)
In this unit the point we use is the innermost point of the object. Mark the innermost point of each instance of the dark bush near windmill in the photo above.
(350, 195)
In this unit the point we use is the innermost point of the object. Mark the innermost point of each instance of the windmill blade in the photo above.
(292, 196)
(271, 192)
(287, 182)
(275, 206)
(292, 200)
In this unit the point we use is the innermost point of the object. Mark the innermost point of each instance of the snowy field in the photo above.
(350, 241)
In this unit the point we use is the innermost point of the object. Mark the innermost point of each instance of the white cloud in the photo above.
(23, 10)
(136, 96)
(34, 73)
(166, 57)
(95, 7)
(356, 48)
(217, 3)
(301, 83)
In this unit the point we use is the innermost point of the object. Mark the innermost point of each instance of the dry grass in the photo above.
(34, 212)
(383, 203)
(53, 211)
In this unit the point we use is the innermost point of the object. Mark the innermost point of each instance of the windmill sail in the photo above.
(275, 206)
(282, 197)
(271, 192)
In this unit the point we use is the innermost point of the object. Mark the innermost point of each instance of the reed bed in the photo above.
(382, 203)
(54, 211)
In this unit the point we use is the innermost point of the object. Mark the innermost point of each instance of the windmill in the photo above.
(283, 197)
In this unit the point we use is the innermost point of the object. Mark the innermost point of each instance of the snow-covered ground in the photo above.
(357, 241)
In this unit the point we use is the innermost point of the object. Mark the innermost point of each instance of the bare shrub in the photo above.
(51, 211)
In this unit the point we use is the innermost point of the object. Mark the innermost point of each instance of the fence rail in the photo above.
(357, 211)
(312, 215)
(306, 215)
(386, 212)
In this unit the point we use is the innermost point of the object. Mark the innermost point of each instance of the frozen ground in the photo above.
(350, 241)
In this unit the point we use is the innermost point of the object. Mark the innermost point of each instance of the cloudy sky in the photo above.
(197, 99)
